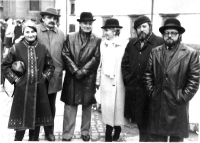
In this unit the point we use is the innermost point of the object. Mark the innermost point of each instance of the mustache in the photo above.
(52, 23)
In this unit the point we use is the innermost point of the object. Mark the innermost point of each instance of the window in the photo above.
(1, 3)
(167, 16)
(72, 4)
(72, 28)
(34, 5)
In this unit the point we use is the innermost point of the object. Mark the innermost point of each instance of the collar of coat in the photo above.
(178, 56)
(91, 35)
(151, 40)
(44, 28)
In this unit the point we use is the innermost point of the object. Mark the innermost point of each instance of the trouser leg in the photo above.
(86, 119)
(158, 138)
(116, 132)
(143, 133)
(175, 139)
(52, 101)
(108, 134)
(34, 134)
(19, 135)
(69, 121)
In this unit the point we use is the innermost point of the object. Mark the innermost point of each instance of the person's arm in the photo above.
(49, 66)
(192, 83)
(148, 75)
(66, 56)
(7, 65)
(125, 66)
(93, 64)
(98, 77)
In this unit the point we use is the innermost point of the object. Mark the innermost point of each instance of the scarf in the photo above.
(110, 56)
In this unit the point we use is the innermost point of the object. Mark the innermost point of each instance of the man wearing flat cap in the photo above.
(81, 57)
(53, 38)
(172, 77)
(133, 65)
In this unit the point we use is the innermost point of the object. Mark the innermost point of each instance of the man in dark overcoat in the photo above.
(133, 65)
(172, 77)
(81, 57)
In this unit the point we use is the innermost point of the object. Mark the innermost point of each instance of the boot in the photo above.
(108, 134)
(19, 135)
(117, 133)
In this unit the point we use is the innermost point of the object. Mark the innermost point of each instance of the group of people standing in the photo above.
(148, 80)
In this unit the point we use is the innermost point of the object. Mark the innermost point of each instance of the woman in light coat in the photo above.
(109, 79)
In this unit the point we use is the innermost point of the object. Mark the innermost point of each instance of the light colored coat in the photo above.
(53, 40)
(112, 90)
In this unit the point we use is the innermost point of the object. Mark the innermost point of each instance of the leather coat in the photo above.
(83, 56)
(171, 89)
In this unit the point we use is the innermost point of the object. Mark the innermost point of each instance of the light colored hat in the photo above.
(31, 24)
(50, 11)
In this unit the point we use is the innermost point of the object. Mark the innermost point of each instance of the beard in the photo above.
(170, 42)
(142, 36)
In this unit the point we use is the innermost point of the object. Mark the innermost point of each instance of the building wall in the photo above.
(187, 11)
(21, 9)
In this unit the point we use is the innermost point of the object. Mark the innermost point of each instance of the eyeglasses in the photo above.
(173, 34)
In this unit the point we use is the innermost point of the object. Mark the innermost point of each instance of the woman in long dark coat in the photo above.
(30, 107)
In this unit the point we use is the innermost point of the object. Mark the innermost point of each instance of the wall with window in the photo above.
(25, 9)
(126, 12)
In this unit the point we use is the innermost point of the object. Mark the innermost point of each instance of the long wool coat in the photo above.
(30, 105)
(80, 56)
(112, 90)
(133, 67)
(172, 88)
(53, 40)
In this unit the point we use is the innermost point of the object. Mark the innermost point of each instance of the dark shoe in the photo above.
(117, 133)
(108, 133)
(67, 140)
(85, 138)
(50, 137)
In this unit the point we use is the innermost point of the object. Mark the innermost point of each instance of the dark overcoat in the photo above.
(172, 88)
(133, 66)
(80, 56)
(30, 105)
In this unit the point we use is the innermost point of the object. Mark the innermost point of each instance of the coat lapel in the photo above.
(159, 57)
(178, 56)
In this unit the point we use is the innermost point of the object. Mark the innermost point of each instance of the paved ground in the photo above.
(129, 132)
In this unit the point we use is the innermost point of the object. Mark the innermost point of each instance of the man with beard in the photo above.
(81, 57)
(133, 65)
(53, 38)
(172, 77)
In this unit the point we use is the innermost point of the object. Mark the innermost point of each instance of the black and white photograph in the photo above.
(99, 70)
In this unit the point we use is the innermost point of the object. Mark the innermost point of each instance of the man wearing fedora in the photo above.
(133, 65)
(81, 57)
(53, 38)
(172, 77)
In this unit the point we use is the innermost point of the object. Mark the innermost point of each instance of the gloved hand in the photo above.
(79, 74)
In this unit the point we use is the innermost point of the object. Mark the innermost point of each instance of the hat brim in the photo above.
(114, 26)
(47, 13)
(79, 20)
(179, 28)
